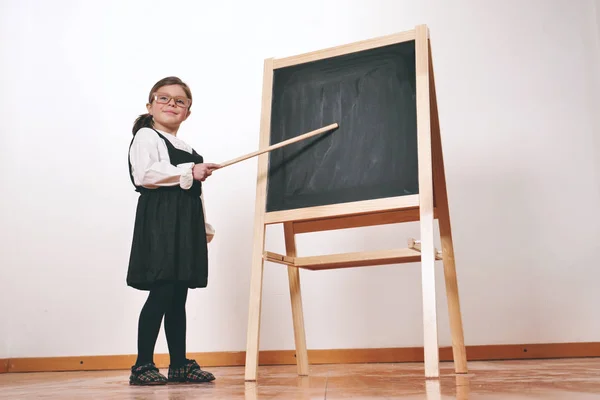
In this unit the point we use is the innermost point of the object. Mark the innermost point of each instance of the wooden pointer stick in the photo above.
(280, 144)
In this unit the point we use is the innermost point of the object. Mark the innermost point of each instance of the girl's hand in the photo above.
(204, 170)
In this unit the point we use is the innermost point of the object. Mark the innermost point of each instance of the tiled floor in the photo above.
(576, 379)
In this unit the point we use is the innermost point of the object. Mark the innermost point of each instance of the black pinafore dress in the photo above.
(169, 237)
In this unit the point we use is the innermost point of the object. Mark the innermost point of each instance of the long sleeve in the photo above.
(210, 230)
(150, 163)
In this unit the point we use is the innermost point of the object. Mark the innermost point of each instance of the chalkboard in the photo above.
(371, 94)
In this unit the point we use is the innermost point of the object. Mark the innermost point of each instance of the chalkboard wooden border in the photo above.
(347, 208)
(431, 203)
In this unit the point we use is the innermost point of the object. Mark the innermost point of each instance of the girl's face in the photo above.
(169, 108)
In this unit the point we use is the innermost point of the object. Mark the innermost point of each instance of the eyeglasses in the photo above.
(180, 101)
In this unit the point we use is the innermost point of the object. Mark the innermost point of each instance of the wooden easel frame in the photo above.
(432, 191)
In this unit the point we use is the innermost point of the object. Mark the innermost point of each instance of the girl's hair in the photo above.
(145, 120)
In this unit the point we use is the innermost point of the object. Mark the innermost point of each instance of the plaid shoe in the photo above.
(189, 373)
(146, 374)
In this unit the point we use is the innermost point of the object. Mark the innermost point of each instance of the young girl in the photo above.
(169, 247)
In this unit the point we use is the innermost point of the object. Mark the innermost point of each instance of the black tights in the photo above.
(168, 300)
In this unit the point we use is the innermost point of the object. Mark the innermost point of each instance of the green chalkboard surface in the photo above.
(373, 153)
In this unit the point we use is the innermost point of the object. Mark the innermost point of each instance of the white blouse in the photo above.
(151, 166)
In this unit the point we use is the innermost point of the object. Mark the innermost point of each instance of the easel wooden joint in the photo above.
(426, 206)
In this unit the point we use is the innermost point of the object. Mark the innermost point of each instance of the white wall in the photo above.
(4, 324)
(594, 87)
(516, 105)
(597, 8)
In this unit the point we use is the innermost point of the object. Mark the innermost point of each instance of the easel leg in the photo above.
(456, 326)
(441, 196)
(432, 369)
(255, 302)
(430, 329)
(254, 311)
(296, 298)
(256, 278)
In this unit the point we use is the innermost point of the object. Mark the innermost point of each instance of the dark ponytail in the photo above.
(143, 121)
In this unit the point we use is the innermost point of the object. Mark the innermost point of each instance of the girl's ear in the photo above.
(188, 114)
(148, 107)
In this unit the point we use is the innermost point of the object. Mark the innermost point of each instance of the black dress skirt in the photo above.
(169, 237)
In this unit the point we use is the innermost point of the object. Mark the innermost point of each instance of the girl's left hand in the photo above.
(204, 170)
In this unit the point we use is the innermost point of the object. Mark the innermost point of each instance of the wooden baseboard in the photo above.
(3, 366)
(287, 357)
